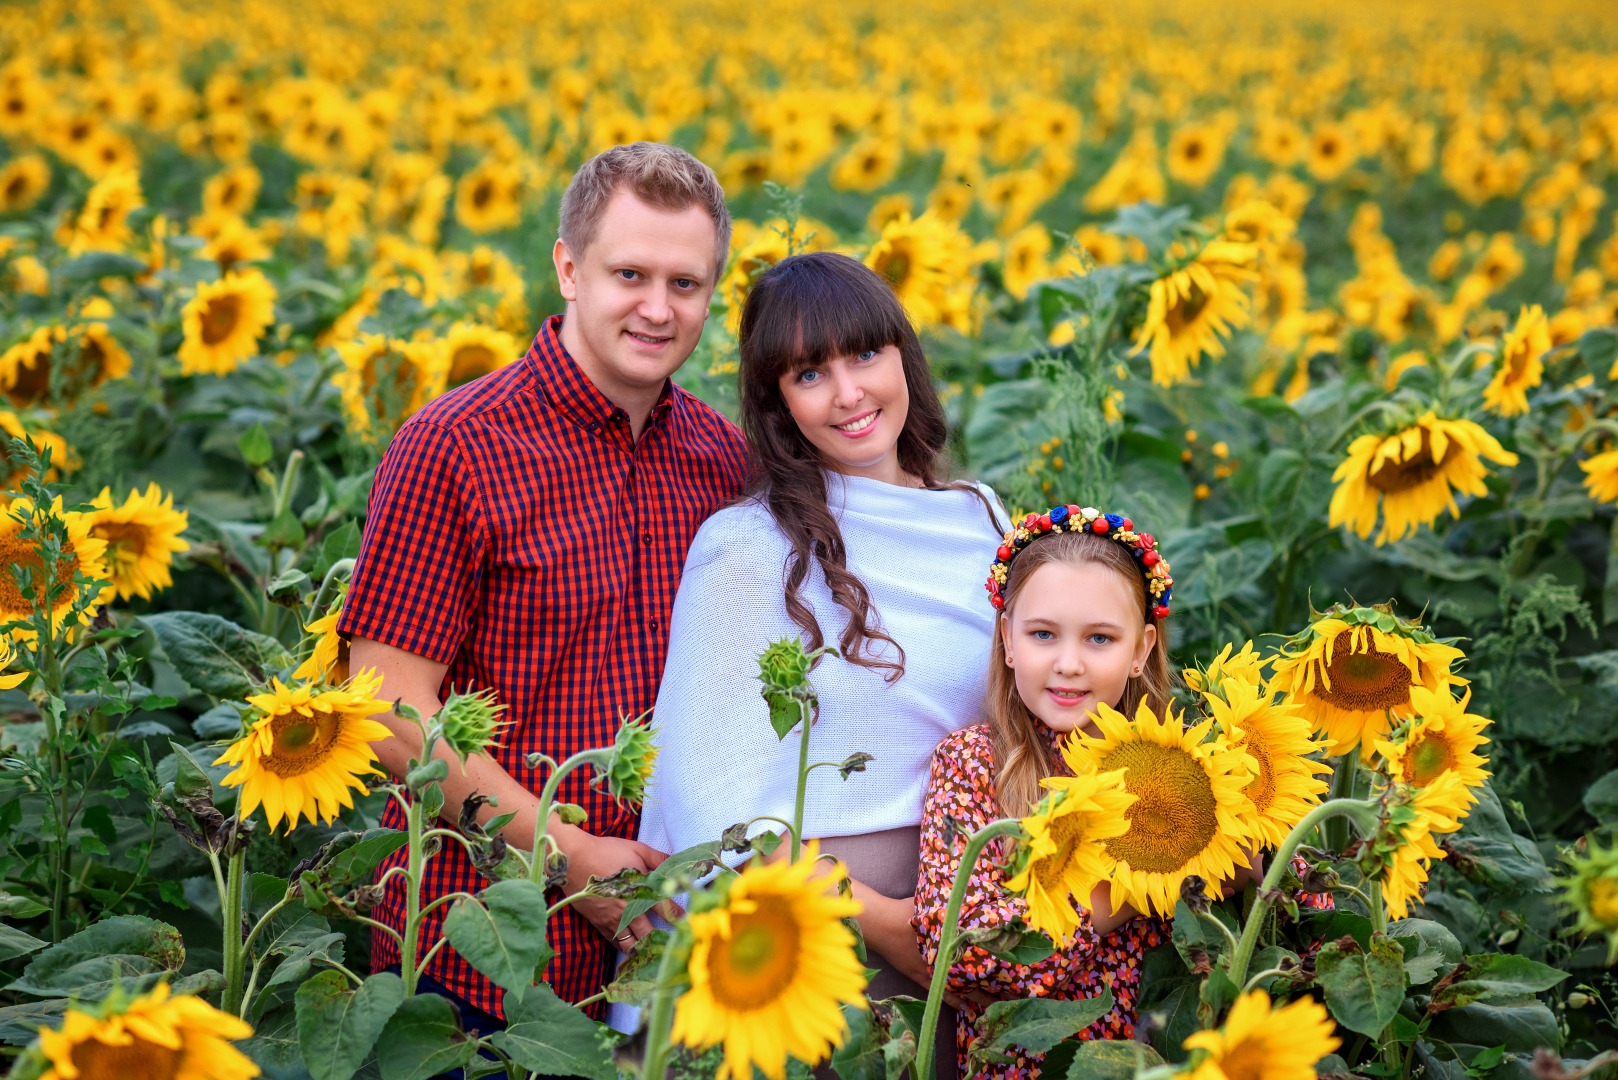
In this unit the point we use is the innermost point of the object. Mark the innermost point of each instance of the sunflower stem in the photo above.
(413, 881)
(328, 585)
(547, 799)
(656, 1061)
(949, 937)
(1342, 787)
(803, 778)
(231, 916)
(1360, 812)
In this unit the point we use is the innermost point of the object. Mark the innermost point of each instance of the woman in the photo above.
(849, 535)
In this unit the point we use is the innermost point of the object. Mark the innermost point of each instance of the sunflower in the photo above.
(84, 553)
(328, 662)
(1600, 475)
(234, 241)
(103, 224)
(1244, 666)
(1520, 367)
(1276, 735)
(152, 1037)
(1195, 153)
(475, 350)
(756, 248)
(489, 197)
(1352, 669)
(770, 971)
(22, 182)
(1441, 740)
(307, 748)
(1263, 1043)
(1027, 259)
(886, 209)
(867, 165)
(950, 200)
(1592, 892)
(1330, 151)
(384, 380)
(232, 191)
(1063, 859)
(44, 364)
(142, 536)
(224, 321)
(1405, 840)
(16, 467)
(928, 261)
(1280, 142)
(1190, 815)
(1413, 474)
(1194, 308)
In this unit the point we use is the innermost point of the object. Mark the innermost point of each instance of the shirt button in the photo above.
(653, 624)
(647, 539)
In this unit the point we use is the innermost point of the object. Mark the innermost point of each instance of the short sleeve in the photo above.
(421, 559)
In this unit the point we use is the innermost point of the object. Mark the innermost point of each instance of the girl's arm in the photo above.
(961, 788)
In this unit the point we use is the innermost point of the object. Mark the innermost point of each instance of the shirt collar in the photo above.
(570, 390)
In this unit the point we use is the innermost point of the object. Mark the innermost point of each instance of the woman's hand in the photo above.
(885, 923)
(1253, 871)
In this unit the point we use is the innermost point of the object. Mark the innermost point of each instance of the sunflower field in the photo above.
(1329, 298)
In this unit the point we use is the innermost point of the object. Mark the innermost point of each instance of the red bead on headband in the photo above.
(1085, 519)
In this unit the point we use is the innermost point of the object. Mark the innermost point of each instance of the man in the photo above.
(526, 533)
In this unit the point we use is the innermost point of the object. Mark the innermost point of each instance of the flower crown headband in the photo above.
(1085, 519)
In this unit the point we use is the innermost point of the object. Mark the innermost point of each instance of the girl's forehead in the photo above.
(1075, 591)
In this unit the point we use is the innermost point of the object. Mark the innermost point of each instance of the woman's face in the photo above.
(1073, 638)
(852, 409)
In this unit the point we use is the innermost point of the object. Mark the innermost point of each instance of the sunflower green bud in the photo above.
(783, 668)
(630, 763)
(468, 723)
(1578, 1000)
(1592, 892)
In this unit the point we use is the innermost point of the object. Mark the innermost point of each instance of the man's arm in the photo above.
(415, 680)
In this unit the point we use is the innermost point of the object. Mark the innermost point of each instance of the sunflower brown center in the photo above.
(126, 540)
(301, 742)
(33, 380)
(895, 266)
(1174, 816)
(1368, 681)
(482, 194)
(140, 1060)
(1413, 471)
(1245, 1060)
(219, 318)
(1261, 789)
(1428, 758)
(1067, 831)
(1184, 313)
(760, 959)
(471, 360)
(15, 188)
(14, 553)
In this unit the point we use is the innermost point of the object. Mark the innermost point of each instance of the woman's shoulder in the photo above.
(743, 532)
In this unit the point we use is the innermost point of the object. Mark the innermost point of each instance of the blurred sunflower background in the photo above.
(1326, 296)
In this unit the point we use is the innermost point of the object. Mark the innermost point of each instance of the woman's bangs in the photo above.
(805, 317)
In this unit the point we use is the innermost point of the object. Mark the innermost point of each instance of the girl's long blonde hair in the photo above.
(1022, 754)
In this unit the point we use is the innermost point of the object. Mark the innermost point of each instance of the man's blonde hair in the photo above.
(664, 176)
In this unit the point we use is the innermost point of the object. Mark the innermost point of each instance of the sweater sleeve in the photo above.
(961, 789)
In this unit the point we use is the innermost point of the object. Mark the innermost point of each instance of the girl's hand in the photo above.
(1103, 919)
(1253, 871)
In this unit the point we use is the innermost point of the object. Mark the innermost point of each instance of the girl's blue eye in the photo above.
(1043, 635)
(1099, 639)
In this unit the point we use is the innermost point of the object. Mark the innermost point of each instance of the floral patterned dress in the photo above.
(962, 788)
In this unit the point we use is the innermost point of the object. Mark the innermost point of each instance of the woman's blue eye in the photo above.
(867, 354)
(807, 376)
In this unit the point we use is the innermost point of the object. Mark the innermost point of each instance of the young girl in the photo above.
(1079, 625)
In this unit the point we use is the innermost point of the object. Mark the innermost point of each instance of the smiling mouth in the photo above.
(648, 339)
(1067, 697)
(859, 423)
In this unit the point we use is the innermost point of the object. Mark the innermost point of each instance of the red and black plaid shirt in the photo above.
(518, 534)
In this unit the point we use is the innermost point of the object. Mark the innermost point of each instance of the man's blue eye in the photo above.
(627, 275)
(684, 283)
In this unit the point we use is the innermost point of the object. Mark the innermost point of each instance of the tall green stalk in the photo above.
(230, 913)
(804, 769)
(413, 867)
(661, 1020)
(1342, 787)
(949, 939)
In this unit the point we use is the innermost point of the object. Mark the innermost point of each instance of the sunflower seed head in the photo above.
(630, 765)
(468, 723)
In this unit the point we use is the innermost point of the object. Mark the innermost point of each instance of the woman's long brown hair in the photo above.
(801, 312)
(1021, 742)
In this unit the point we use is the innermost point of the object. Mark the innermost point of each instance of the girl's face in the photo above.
(1073, 639)
(852, 409)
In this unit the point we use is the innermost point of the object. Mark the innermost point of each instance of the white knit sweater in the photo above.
(923, 556)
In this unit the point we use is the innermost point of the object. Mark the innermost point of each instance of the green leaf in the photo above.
(546, 1035)
(216, 656)
(1111, 1059)
(1497, 979)
(99, 264)
(432, 801)
(423, 1038)
(1364, 988)
(1434, 936)
(20, 1024)
(1033, 948)
(15, 943)
(129, 950)
(358, 861)
(1486, 852)
(1034, 1024)
(1521, 1029)
(300, 959)
(283, 531)
(1601, 797)
(636, 977)
(338, 1024)
(502, 933)
(289, 588)
(341, 543)
(191, 781)
(1193, 933)
(1599, 348)
(1268, 958)
(255, 446)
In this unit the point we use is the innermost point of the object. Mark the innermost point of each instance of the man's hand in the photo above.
(603, 856)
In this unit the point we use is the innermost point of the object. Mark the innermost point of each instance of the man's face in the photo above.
(638, 294)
